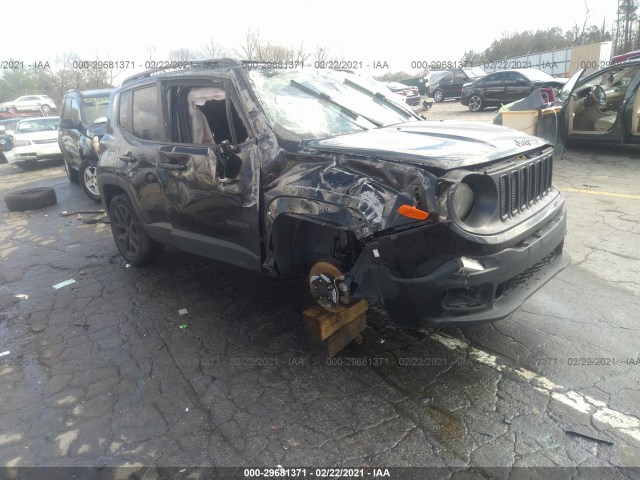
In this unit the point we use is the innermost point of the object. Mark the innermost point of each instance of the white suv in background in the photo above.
(31, 103)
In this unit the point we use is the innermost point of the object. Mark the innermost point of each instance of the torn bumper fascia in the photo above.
(438, 291)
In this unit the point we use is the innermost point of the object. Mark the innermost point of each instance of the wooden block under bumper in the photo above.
(342, 337)
(320, 324)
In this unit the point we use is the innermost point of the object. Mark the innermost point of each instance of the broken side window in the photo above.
(204, 116)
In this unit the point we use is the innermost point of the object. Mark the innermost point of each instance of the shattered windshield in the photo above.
(308, 104)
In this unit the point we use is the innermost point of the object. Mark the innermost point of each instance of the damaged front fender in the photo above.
(362, 194)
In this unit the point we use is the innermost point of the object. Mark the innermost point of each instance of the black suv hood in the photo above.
(441, 144)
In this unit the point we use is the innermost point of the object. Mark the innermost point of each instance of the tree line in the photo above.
(68, 72)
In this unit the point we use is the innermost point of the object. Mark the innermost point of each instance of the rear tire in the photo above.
(134, 244)
(89, 181)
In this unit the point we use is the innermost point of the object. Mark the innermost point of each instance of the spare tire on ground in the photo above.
(30, 199)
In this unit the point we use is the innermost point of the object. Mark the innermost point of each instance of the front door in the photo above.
(493, 87)
(516, 87)
(208, 172)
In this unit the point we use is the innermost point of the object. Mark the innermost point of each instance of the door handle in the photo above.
(173, 166)
(128, 158)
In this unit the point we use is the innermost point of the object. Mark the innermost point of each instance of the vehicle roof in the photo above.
(199, 66)
(520, 70)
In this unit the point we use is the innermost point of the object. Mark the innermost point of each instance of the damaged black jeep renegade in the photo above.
(319, 174)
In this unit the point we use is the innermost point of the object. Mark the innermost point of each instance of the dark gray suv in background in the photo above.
(312, 174)
(82, 121)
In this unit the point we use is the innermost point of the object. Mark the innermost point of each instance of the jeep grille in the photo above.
(525, 185)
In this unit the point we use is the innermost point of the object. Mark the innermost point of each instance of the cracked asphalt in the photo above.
(100, 372)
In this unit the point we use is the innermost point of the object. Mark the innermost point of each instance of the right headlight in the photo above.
(472, 201)
(462, 200)
(21, 143)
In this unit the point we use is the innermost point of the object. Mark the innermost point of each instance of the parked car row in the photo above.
(73, 137)
(445, 84)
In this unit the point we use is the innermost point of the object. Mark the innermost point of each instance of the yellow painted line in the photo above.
(604, 194)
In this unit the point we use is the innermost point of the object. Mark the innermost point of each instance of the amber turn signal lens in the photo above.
(413, 212)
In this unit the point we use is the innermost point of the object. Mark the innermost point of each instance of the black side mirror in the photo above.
(66, 123)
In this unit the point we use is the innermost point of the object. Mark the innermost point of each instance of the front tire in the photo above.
(89, 181)
(132, 241)
(476, 104)
(438, 96)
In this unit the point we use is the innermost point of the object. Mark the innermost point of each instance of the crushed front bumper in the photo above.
(448, 297)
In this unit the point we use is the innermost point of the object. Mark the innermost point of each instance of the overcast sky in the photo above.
(396, 32)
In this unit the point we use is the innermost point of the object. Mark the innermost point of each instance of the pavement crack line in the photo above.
(598, 410)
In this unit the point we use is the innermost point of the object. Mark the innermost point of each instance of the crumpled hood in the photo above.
(442, 144)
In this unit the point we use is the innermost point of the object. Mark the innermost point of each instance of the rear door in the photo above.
(459, 79)
(208, 171)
